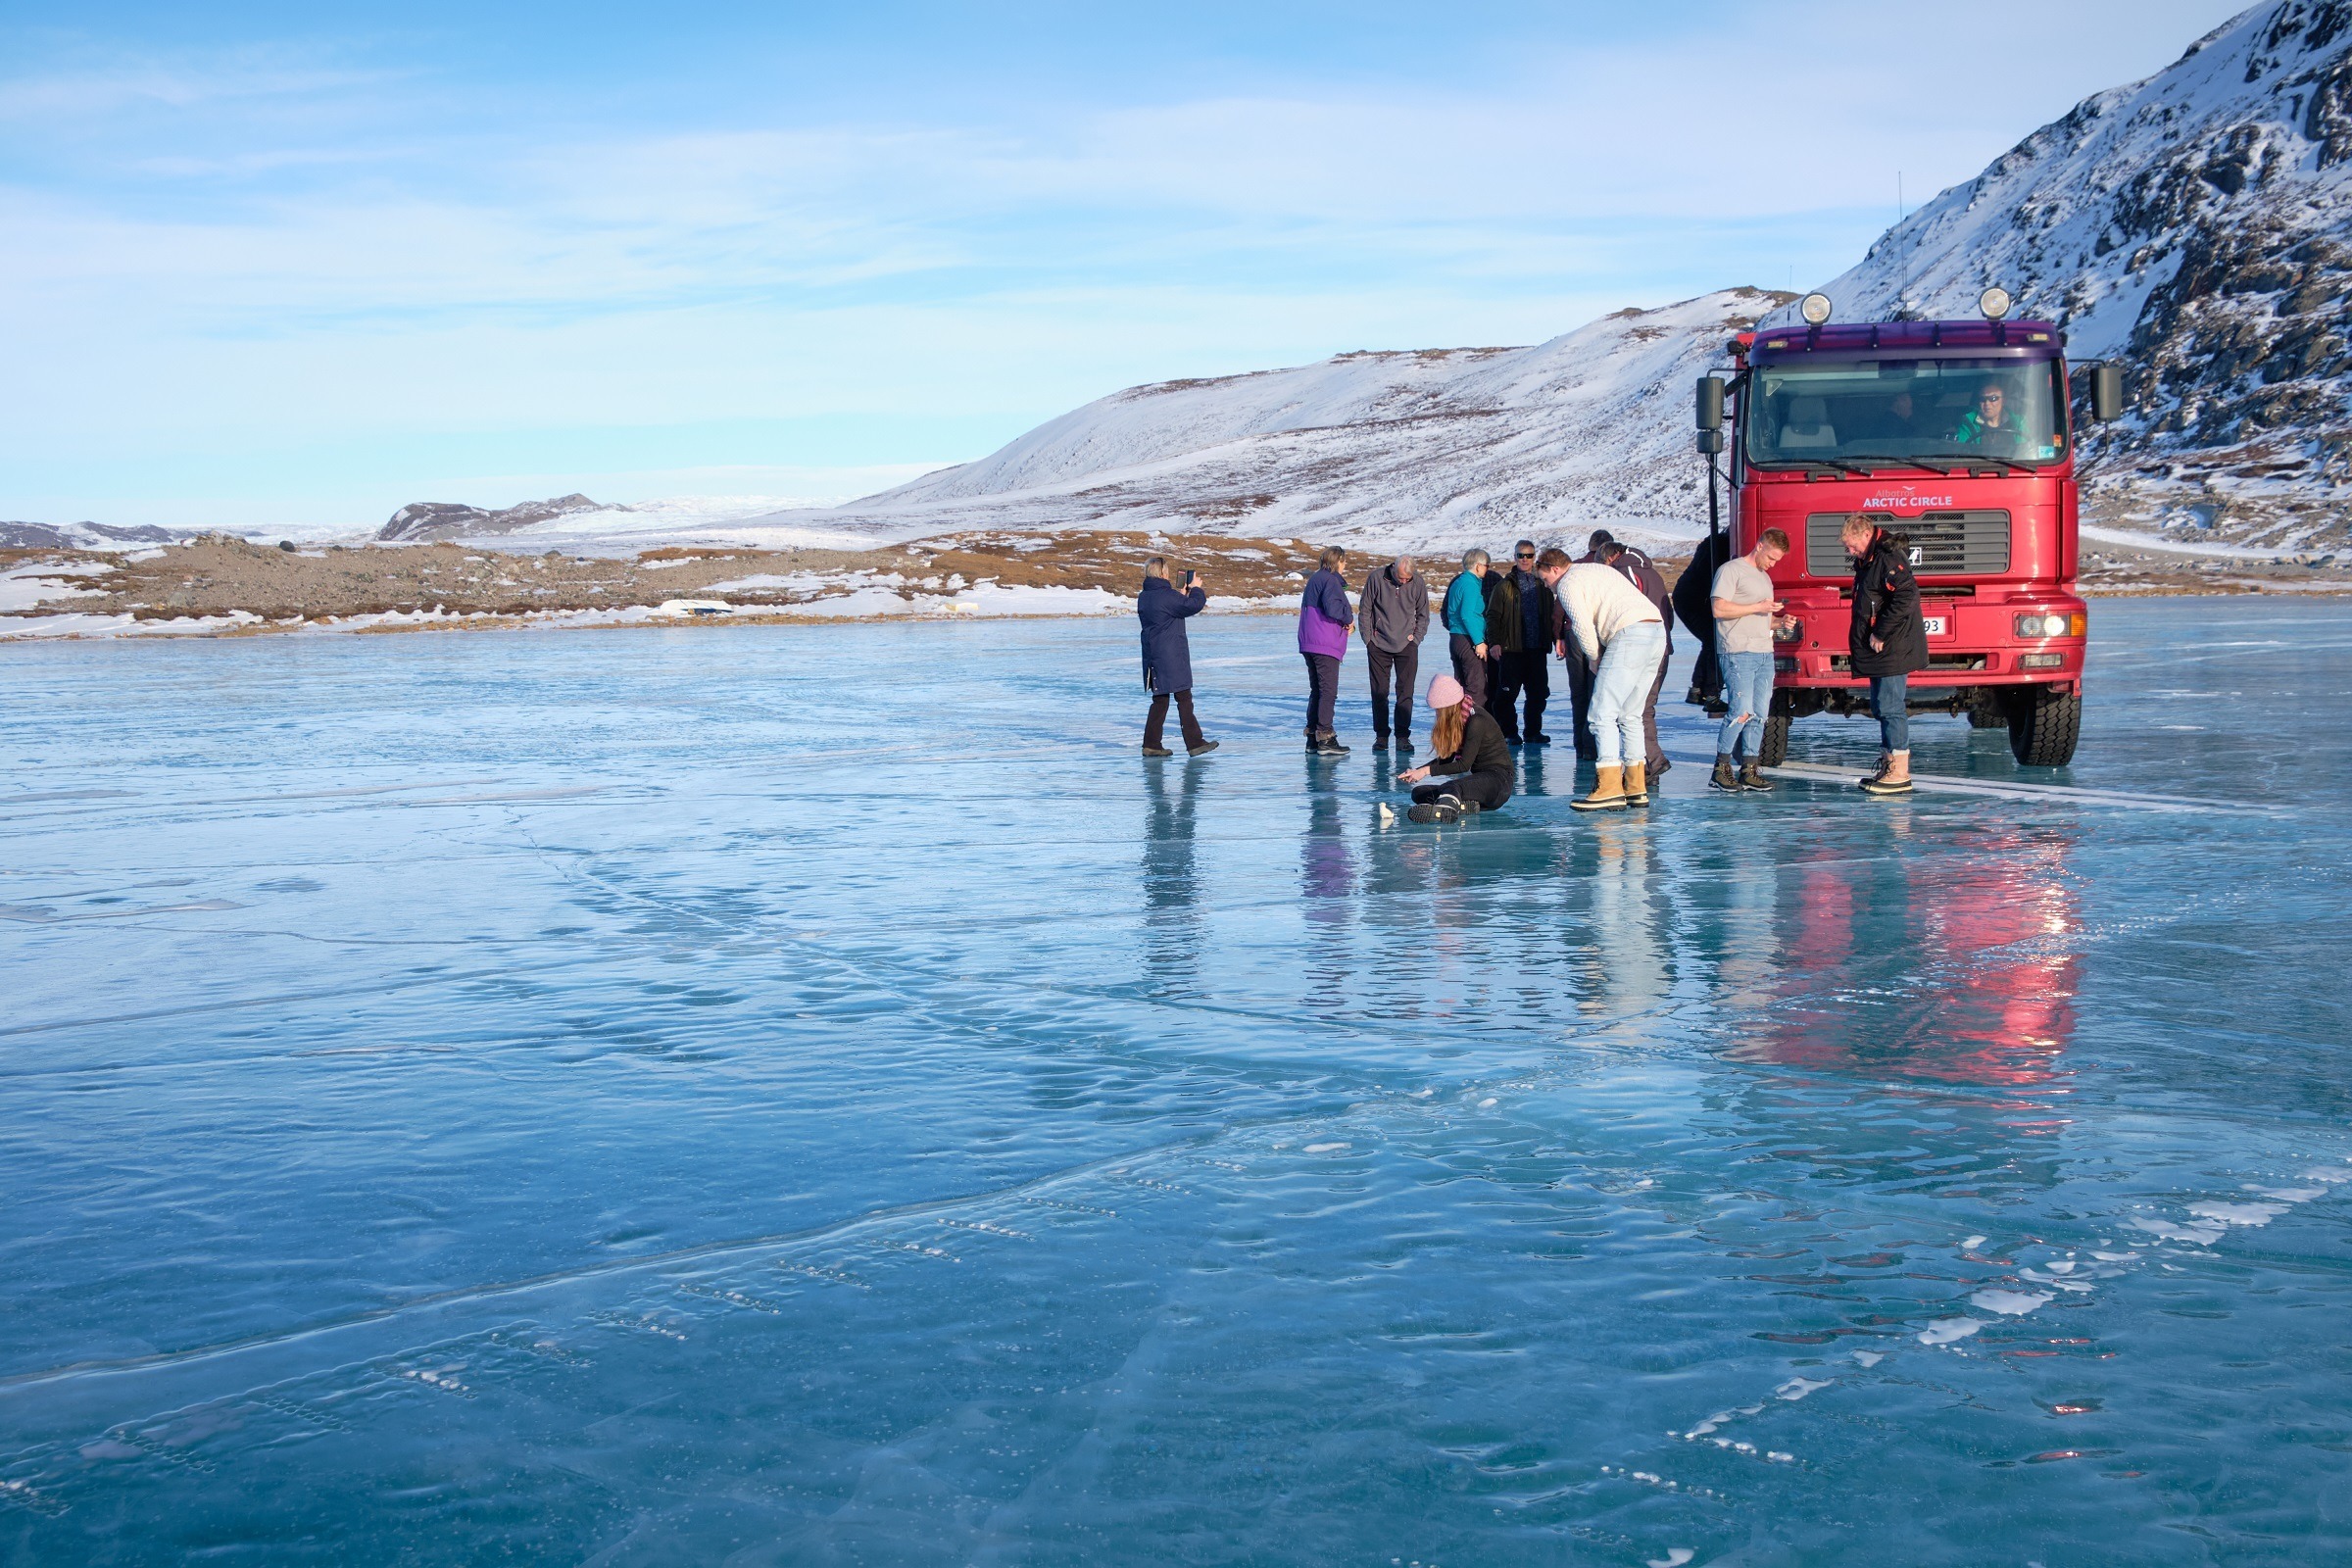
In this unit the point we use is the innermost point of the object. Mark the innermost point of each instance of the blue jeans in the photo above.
(1628, 666)
(1890, 699)
(1747, 693)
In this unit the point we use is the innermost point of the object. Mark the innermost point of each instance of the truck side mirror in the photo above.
(1710, 442)
(2106, 392)
(1710, 403)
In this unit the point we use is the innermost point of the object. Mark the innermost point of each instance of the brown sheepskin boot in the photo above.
(1608, 791)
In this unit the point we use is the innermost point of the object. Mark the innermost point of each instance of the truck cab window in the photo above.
(1945, 410)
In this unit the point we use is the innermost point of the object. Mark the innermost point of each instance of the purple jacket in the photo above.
(1323, 614)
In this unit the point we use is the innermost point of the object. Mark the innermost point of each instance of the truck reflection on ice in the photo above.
(1959, 966)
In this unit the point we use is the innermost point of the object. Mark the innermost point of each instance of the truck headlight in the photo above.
(2040, 624)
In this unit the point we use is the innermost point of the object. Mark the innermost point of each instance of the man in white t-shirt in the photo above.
(1746, 613)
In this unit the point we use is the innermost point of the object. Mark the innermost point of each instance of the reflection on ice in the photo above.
(646, 1147)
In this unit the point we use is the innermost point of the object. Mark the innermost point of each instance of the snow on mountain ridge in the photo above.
(2191, 225)
(1430, 449)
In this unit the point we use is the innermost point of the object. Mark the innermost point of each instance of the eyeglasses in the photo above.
(1991, 397)
(1527, 555)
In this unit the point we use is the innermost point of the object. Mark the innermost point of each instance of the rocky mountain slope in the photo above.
(2193, 226)
(449, 519)
(1434, 450)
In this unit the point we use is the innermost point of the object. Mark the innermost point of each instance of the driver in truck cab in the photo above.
(1989, 417)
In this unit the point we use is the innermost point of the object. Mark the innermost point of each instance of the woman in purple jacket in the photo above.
(1323, 622)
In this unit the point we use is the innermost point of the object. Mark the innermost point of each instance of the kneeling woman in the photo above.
(1466, 741)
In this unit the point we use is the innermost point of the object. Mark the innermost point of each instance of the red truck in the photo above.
(1957, 434)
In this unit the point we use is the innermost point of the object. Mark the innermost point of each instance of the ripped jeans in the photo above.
(1747, 695)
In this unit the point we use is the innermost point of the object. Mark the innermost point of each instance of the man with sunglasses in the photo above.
(1989, 417)
(1525, 667)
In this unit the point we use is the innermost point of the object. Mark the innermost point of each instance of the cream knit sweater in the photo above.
(1601, 604)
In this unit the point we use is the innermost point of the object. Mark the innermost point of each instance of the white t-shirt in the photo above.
(1738, 582)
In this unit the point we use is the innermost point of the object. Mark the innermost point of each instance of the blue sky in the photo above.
(281, 263)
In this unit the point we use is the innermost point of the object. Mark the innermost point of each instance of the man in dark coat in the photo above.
(1695, 606)
(1504, 638)
(1523, 664)
(1886, 641)
(1168, 655)
(1636, 567)
(1393, 613)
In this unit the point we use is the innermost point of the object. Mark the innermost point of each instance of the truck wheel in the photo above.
(1986, 714)
(1775, 750)
(2044, 725)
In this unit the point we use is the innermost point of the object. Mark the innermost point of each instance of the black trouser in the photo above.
(1468, 667)
(1529, 671)
(1580, 701)
(1486, 791)
(1405, 666)
(1322, 693)
(1650, 717)
(1706, 675)
(1155, 725)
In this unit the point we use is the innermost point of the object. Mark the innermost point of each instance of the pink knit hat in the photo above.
(1445, 692)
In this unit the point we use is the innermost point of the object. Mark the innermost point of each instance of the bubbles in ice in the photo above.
(2249, 1214)
(1326, 1149)
(1944, 1330)
(1798, 1387)
(2202, 1235)
(1869, 1359)
(1675, 1557)
(1969, 1243)
(1488, 1103)
(2012, 1303)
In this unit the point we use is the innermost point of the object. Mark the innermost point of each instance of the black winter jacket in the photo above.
(1484, 750)
(1887, 607)
(1504, 631)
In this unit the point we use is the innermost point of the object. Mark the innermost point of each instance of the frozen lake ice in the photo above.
(815, 1096)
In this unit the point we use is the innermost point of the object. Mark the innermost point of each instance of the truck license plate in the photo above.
(1938, 625)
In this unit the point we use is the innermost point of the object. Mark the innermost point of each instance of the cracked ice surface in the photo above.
(816, 1094)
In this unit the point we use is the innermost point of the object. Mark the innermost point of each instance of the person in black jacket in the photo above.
(1887, 641)
(1467, 742)
(1636, 567)
(1168, 655)
(1694, 607)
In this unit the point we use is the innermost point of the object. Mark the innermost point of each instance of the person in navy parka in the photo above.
(1168, 655)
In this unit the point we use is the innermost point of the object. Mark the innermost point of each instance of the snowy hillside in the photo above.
(1436, 449)
(2192, 225)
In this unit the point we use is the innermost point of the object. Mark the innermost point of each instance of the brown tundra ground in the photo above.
(215, 576)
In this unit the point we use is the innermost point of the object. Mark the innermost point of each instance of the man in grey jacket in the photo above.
(1393, 613)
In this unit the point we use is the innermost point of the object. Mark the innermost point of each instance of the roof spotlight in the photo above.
(1995, 302)
(1815, 309)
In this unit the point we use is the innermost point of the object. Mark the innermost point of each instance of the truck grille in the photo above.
(1952, 544)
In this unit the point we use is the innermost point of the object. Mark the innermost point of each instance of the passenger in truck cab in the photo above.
(1898, 420)
(1989, 417)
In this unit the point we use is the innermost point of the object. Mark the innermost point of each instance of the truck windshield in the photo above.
(1936, 410)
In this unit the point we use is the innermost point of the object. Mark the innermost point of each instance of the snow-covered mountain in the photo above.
(1431, 448)
(2193, 227)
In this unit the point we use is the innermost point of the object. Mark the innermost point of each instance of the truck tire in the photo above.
(1987, 714)
(2043, 726)
(1775, 750)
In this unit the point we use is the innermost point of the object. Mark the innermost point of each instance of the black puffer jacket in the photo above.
(1887, 607)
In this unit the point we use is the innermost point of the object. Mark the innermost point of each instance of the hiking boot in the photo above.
(1201, 749)
(1404, 746)
(1876, 773)
(1658, 767)
(1443, 810)
(1637, 787)
(1723, 778)
(1539, 739)
(1608, 791)
(1461, 806)
(1893, 779)
(1380, 743)
(1751, 777)
(1329, 746)
(1158, 751)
